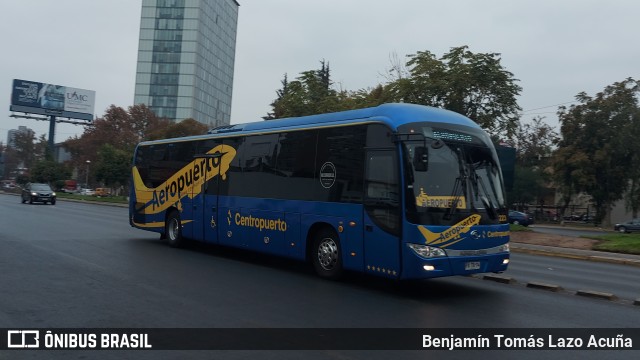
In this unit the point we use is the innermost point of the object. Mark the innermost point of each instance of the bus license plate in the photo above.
(472, 265)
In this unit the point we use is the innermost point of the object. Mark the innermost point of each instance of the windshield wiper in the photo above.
(485, 198)
(461, 181)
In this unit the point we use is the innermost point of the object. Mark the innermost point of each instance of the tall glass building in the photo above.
(186, 56)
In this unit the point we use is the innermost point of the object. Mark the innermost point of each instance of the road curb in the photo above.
(553, 288)
(596, 295)
(499, 279)
(543, 286)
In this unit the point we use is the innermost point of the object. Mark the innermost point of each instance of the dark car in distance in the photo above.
(519, 218)
(628, 226)
(38, 193)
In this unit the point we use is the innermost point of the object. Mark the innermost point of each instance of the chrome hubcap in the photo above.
(328, 254)
(173, 229)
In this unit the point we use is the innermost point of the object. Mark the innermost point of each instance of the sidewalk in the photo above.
(569, 253)
(532, 242)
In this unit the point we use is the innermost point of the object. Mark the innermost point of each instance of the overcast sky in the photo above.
(556, 48)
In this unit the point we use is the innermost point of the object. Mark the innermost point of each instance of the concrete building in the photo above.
(186, 58)
(11, 135)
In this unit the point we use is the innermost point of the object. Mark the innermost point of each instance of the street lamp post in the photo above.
(86, 183)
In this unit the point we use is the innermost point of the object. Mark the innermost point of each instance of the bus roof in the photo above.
(393, 115)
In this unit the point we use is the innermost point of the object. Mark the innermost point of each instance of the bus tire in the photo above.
(326, 254)
(173, 229)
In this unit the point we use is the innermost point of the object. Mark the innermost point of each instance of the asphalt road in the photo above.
(81, 265)
(577, 275)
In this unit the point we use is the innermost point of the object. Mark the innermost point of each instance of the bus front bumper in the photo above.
(455, 263)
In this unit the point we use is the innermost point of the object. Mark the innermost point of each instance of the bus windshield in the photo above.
(451, 172)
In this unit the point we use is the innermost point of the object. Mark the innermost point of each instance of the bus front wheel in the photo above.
(327, 255)
(173, 230)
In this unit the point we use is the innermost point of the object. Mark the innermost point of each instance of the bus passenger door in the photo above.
(205, 200)
(382, 219)
(210, 210)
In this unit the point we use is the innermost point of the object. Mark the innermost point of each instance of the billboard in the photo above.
(47, 99)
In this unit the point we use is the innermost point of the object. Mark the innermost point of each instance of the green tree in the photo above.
(186, 127)
(121, 130)
(11, 162)
(113, 167)
(528, 187)
(535, 142)
(49, 171)
(22, 179)
(24, 148)
(114, 128)
(309, 94)
(632, 199)
(145, 123)
(474, 85)
(25, 152)
(364, 98)
(599, 144)
(41, 149)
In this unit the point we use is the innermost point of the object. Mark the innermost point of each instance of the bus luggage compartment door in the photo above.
(260, 230)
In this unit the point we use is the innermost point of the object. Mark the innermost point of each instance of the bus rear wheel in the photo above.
(173, 230)
(327, 255)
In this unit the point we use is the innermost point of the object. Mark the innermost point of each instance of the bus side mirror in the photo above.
(421, 158)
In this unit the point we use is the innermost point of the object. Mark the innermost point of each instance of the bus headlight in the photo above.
(503, 248)
(426, 251)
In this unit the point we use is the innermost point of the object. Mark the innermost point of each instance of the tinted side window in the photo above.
(295, 165)
(382, 179)
(383, 189)
(153, 167)
(156, 163)
(258, 161)
(141, 161)
(233, 185)
(203, 147)
(178, 155)
(379, 136)
(289, 165)
(341, 152)
(157, 170)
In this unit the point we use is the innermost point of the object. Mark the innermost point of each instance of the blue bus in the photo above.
(400, 191)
